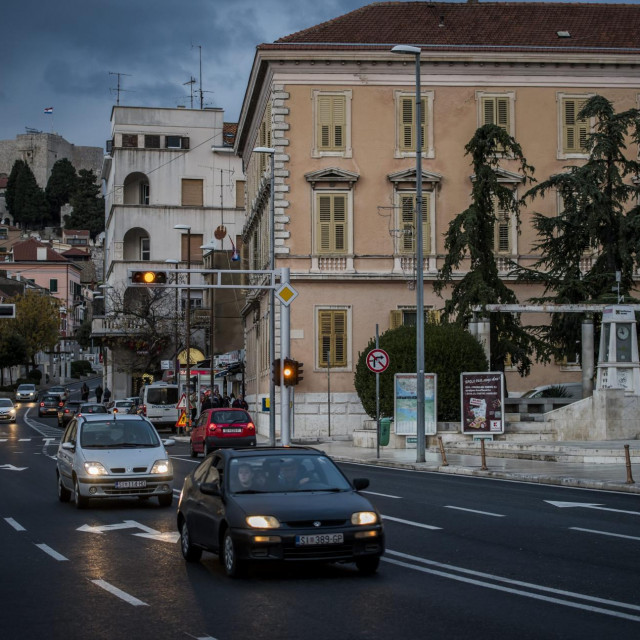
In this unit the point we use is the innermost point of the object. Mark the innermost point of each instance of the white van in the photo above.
(159, 403)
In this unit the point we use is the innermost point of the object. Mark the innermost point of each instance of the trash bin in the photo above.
(385, 431)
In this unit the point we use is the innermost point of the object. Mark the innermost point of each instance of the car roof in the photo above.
(271, 452)
(28, 385)
(114, 417)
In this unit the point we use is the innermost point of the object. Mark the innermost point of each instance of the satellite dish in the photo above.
(220, 232)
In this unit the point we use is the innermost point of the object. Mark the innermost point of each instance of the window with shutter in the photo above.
(407, 225)
(240, 184)
(332, 337)
(196, 244)
(495, 110)
(406, 135)
(192, 192)
(502, 238)
(331, 113)
(574, 130)
(331, 223)
(129, 140)
(152, 142)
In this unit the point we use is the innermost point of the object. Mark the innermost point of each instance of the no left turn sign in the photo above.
(377, 360)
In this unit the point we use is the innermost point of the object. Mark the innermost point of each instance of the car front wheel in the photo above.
(80, 501)
(64, 495)
(193, 452)
(166, 499)
(189, 552)
(233, 567)
(368, 565)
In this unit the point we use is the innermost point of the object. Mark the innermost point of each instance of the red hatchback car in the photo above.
(218, 428)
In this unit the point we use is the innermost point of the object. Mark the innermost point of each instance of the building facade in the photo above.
(166, 168)
(338, 108)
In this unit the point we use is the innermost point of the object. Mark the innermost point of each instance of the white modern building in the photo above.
(166, 168)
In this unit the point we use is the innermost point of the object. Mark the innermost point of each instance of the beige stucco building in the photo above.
(337, 106)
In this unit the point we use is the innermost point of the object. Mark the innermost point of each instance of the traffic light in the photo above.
(275, 371)
(298, 372)
(289, 372)
(148, 277)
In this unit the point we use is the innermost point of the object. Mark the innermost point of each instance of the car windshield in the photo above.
(5, 402)
(111, 434)
(285, 474)
(162, 395)
(26, 387)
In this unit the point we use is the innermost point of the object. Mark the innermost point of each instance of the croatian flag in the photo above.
(48, 110)
(235, 256)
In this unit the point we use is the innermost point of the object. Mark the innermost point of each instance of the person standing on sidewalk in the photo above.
(84, 392)
(98, 393)
(107, 394)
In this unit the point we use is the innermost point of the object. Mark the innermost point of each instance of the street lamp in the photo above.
(272, 299)
(176, 361)
(210, 246)
(105, 365)
(187, 228)
(420, 436)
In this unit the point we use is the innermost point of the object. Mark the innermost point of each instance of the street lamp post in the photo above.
(176, 361)
(420, 426)
(187, 228)
(105, 292)
(272, 299)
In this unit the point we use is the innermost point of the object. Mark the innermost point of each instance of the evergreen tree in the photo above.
(13, 350)
(26, 200)
(470, 239)
(10, 193)
(88, 205)
(60, 186)
(597, 233)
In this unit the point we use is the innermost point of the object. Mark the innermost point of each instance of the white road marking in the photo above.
(529, 585)
(605, 533)
(482, 513)
(10, 467)
(126, 524)
(119, 593)
(3, 439)
(409, 522)
(167, 536)
(384, 495)
(586, 505)
(24, 439)
(54, 554)
(14, 524)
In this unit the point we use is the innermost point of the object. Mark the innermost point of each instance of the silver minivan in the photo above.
(159, 404)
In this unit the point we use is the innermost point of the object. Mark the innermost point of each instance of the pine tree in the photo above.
(88, 205)
(27, 201)
(470, 239)
(597, 233)
(60, 186)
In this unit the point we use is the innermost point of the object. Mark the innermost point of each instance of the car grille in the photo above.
(123, 470)
(318, 552)
(309, 524)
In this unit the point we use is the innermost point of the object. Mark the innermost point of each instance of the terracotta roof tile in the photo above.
(27, 251)
(229, 131)
(489, 26)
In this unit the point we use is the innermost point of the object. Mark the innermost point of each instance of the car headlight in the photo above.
(95, 469)
(262, 522)
(364, 517)
(161, 466)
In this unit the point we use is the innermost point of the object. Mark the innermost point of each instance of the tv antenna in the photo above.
(200, 90)
(191, 82)
(118, 90)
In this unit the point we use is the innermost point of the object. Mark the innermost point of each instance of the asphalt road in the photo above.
(466, 558)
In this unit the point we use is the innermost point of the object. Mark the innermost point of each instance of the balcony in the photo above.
(102, 327)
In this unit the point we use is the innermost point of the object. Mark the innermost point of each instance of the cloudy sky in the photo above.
(65, 55)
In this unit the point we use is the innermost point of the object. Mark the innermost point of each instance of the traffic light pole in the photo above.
(285, 345)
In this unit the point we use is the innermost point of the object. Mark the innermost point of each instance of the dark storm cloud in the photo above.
(60, 54)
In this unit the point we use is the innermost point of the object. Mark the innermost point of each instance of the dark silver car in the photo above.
(49, 405)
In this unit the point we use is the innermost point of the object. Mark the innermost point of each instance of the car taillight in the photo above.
(66, 410)
(251, 426)
(144, 409)
(115, 410)
(42, 404)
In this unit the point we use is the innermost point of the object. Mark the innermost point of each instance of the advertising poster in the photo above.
(482, 396)
(406, 404)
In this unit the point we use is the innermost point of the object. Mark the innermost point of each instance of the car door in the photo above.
(66, 457)
(211, 511)
(199, 433)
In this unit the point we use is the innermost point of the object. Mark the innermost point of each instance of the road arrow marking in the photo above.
(586, 505)
(10, 467)
(132, 524)
(163, 537)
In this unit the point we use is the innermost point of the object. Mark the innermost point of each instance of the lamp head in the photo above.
(406, 48)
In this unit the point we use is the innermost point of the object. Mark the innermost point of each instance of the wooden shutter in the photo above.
(331, 123)
(574, 131)
(331, 223)
(332, 338)
(395, 318)
(240, 184)
(408, 226)
(496, 111)
(407, 119)
(192, 192)
(502, 241)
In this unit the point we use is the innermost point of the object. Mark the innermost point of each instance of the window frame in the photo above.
(483, 96)
(427, 98)
(561, 99)
(145, 250)
(346, 150)
(192, 181)
(53, 285)
(317, 194)
(428, 237)
(511, 229)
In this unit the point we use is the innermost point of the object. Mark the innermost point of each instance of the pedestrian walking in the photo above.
(84, 392)
(107, 394)
(98, 393)
(240, 403)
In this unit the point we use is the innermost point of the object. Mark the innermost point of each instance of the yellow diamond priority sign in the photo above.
(286, 293)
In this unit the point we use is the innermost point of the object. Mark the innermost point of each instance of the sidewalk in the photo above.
(610, 476)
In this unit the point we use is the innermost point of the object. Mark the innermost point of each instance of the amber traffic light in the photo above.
(149, 277)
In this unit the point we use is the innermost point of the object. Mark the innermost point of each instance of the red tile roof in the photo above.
(487, 26)
(27, 251)
(229, 131)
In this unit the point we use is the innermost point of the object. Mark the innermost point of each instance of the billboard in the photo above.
(406, 404)
(482, 399)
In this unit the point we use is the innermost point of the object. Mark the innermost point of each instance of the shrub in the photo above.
(449, 350)
(80, 368)
(35, 375)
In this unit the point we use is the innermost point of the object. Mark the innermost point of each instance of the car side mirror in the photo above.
(210, 488)
(69, 446)
(169, 442)
(360, 483)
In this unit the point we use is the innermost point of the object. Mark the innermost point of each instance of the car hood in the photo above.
(304, 506)
(125, 457)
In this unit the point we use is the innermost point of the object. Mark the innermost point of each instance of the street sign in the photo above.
(182, 403)
(286, 294)
(377, 360)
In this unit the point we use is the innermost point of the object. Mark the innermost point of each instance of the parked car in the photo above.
(7, 410)
(49, 405)
(67, 411)
(92, 407)
(159, 403)
(277, 504)
(120, 406)
(558, 390)
(60, 391)
(26, 393)
(222, 427)
(110, 456)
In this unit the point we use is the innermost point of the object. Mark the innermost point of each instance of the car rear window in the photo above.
(224, 417)
(162, 395)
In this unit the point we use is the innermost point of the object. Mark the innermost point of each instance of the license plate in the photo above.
(232, 430)
(320, 538)
(130, 484)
